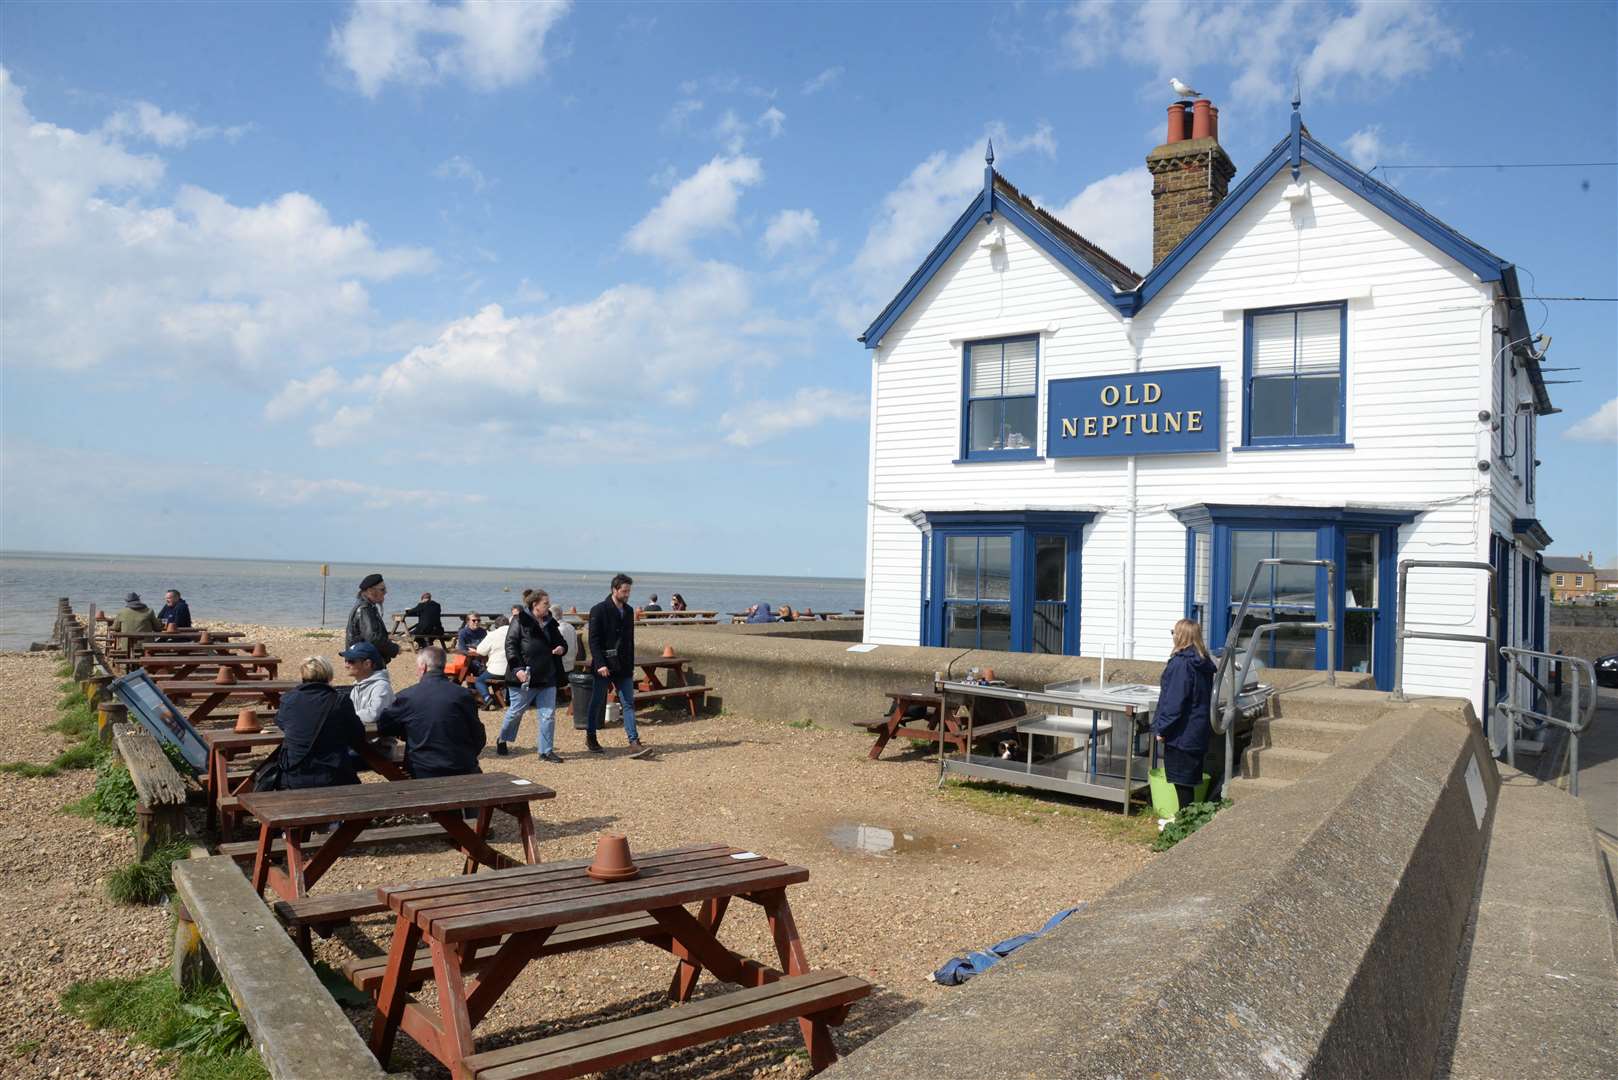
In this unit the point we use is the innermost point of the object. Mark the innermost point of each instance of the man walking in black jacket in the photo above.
(612, 658)
(439, 721)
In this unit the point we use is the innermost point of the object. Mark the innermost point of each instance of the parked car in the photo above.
(1607, 670)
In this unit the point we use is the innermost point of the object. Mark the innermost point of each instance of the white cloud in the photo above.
(760, 421)
(1365, 146)
(143, 120)
(460, 168)
(632, 345)
(915, 214)
(299, 395)
(773, 119)
(1600, 426)
(413, 42)
(791, 228)
(681, 112)
(732, 131)
(820, 82)
(1258, 44)
(194, 281)
(702, 203)
(1115, 214)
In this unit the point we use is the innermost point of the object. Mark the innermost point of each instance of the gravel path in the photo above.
(960, 875)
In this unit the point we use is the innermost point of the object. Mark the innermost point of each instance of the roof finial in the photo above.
(988, 156)
(1297, 92)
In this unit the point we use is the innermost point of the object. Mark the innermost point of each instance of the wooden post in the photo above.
(108, 714)
(83, 664)
(191, 965)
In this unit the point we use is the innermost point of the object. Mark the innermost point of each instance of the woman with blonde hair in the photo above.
(320, 725)
(1181, 720)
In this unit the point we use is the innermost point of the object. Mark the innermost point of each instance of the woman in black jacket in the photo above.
(320, 726)
(534, 651)
(1181, 720)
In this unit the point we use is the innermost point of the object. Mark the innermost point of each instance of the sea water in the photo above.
(289, 593)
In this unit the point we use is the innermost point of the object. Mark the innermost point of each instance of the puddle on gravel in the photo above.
(863, 839)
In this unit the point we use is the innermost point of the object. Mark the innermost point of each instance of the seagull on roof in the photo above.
(1183, 89)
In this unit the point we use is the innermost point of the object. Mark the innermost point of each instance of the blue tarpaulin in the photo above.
(963, 968)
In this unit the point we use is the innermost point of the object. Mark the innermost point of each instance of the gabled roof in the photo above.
(1569, 564)
(1115, 283)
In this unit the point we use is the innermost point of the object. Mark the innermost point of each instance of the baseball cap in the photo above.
(363, 650)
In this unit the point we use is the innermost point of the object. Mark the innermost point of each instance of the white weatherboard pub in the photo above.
(1067, 457)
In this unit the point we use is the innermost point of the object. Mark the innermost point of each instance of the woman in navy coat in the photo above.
(1181, 721)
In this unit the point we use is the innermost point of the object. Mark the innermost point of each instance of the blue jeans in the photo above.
(626, 704)
(481, 683)
(543, 700)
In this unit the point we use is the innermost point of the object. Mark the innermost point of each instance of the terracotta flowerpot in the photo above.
(247, 722)
(988, 674)
(204, 638)
(612, 861)
(668, 651)
(259, 649)
(226, 676)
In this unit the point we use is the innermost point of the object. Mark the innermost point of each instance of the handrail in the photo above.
(1400, 633)
(1222, 716)
(1578, 718)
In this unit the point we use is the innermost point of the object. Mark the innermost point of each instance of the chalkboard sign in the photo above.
(158, 715)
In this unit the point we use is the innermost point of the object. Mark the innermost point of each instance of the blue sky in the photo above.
(579, 286)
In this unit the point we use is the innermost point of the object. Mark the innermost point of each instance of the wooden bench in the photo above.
(366, 974)
(296, 1027)
(821, 995)
(693, 695)
(159, 789)
(245, 850)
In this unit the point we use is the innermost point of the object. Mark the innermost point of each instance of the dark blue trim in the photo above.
(1027, 453)
(1531, 531)
(1204, 514)
(1295, 441)
(924, 273)
(1056, 249)
(1266, 446)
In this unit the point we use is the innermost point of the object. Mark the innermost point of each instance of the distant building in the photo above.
(1607, 579)
(1572, 576)
(1068, 456)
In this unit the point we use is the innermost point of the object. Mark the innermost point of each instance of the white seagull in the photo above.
(1183, 90)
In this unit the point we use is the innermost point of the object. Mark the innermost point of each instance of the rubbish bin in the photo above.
(582, 683)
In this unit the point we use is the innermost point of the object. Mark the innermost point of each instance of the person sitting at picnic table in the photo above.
(365, 618)
(652, 604)
(175, 613)
(493, 651)
(319, 726)
(786, 614)
(136, 617)
(760, 613)
(373, 690)
(676, 602)
(472, 633)
(1181, 720)
(534, 651)
(439, 721)
(429, 628)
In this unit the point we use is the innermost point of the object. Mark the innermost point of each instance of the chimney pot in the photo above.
(1214, 110)
(1176, 123)
(1202, 119)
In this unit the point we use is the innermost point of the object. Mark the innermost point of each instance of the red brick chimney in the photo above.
(1191, 174)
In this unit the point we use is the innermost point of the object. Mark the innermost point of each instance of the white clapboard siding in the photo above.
(1418, 362)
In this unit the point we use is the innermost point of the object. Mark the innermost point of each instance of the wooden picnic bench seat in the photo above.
(246, 850)
(366, 973)
(296, 1027)
(693, 694)
(159, 789)
(820, 994)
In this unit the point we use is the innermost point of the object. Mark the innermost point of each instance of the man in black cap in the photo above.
(365, 620)
(136, 617)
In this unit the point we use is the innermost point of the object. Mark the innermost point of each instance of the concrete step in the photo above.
(1537, 992)
(1293, 734)
(1333, 704)
(1280, 763)
(1244, 787)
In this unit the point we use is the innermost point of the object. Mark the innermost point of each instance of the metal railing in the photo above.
(1224, 712)
(1400, 633)
(1578, 718)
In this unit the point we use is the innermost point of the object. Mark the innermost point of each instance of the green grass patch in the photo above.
(149, 880)
(1008, 801)
(26, 1047)
(76, 720)
(802, 725)
(31, 770)
(321, 634)
(63, 670)
(112, 800)
(202, 1028)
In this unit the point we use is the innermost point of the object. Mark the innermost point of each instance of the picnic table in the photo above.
(223, 791)
(210, 695)
(183, 666)
(401, 630)
(495, 924)
(181, 648)
(652, 687)
(917, 714)
(352, 807)
(125, 641)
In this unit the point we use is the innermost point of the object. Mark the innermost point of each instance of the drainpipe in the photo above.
(1127, 650)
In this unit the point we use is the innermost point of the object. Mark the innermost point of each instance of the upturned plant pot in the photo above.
(247, 722)
(612, 861)
(226, 676)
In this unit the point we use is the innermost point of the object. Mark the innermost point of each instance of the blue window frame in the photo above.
(1224, 543)
(1000, 399)
(1295, 376)
(1003, 581)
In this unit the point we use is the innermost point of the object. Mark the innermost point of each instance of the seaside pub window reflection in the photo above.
(1050, 594)
(977, 592)
(1281, 594)
(1360, 601)
(1002, 380)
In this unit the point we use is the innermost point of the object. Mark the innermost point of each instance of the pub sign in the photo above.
(1152, 412)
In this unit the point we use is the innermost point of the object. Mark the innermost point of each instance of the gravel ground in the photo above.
(960, 876)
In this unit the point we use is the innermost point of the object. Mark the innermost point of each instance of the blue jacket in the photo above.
(178, 613)
(439, 721)
(319, 725)
(1181, 718)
